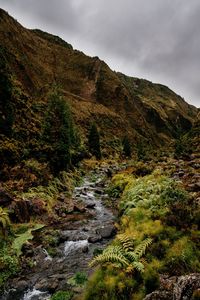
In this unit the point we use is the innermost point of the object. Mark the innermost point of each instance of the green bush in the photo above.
(9, 265)
(80, 278)
(62, 295)
(182, 257)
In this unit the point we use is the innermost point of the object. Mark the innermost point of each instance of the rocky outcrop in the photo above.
(176, 288)
(5, 198)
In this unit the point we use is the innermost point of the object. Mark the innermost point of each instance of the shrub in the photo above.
(118, 184)
(151, 280)
(62, 295)
(9, 265)
(182, 257)
(126, 146)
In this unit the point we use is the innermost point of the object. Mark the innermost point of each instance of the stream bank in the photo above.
(77, 243)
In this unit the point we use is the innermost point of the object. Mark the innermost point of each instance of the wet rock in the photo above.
(28, 249)
(98, 191)
(85, 229)
(85, 249)
(106, 232)
(91, 205)
(64, 236)
(5, 198)
(78, 208)
(95, 239)
(42, 285)
(20, 285)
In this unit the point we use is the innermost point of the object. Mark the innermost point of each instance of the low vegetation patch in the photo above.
(158, 233)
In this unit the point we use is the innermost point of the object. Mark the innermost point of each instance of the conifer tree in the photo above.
(126, 147)
(58, 132)
(94, 141)
(6, 101)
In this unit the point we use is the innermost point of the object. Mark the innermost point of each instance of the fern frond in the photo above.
(114, 249)
(111, 257)
(127, 241)
(131, 256)
(138, 266)
(141, 248)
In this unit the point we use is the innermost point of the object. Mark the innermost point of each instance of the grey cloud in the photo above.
(156, 39)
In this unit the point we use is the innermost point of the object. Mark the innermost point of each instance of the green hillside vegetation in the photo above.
(158, 217)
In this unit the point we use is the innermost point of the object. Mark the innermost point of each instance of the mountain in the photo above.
(33, 60)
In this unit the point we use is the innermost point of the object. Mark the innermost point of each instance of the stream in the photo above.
(75, 252)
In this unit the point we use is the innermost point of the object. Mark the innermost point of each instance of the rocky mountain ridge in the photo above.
(120, 105)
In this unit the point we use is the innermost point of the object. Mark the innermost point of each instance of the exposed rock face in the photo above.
(20, 211)
(176, 288)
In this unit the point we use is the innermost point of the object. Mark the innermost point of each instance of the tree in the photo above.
(141, 150)
(126, 147)
(94, 141)
(6, 101)
(58, 132)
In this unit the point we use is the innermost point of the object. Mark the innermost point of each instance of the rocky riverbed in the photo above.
(77, 243)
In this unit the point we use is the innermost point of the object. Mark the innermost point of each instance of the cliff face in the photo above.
(120, 105)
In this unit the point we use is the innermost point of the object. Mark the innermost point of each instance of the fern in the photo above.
(141, 248)
(112, 257)
(124, 255)
(126, 241)
(138, 266)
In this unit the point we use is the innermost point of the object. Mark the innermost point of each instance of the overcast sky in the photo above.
(158, 40)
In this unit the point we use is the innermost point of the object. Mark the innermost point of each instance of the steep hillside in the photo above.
(120, 105)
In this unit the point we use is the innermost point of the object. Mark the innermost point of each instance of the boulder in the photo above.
(20, 211)
(78, 208)
(91, 205)
(107, 231)
(38, 207)
(176, 288)
(185, 286)
(95, 239)
(159, 295)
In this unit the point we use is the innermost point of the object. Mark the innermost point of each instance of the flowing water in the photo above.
(76, 252)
